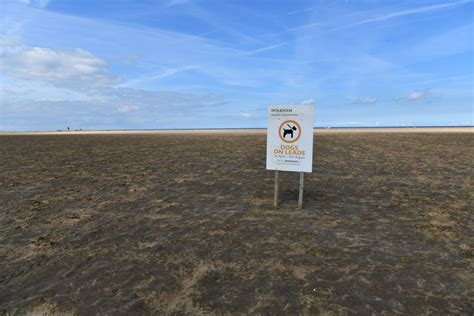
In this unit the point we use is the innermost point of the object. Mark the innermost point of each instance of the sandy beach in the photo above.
(183, 222)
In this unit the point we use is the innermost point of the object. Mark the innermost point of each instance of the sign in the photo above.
(290, 138)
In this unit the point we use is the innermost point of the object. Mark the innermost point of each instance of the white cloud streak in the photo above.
(366, 100)
(264, 49)
(127, 108)
(156, 76)
(404, 13)
(417, 95)
(309, 101)
(301, 11)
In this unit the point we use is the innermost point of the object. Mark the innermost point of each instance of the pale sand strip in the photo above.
(253, 131)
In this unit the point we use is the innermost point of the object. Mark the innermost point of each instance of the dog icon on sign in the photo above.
(289, 131)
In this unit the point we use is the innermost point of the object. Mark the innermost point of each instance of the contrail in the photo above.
(264, 49)
(403, 13)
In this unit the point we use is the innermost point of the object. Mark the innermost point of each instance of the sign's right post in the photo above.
(300, 197)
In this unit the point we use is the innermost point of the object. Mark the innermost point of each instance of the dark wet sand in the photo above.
(184, 223)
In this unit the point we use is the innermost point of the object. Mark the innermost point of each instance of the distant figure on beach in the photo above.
(68, 128)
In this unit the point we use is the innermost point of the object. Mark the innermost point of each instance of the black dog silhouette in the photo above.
(289, 130)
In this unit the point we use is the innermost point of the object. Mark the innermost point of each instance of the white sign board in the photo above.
(290, 138)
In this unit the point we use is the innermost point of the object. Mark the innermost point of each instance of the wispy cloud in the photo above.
(36, 3)
(416, 95)
(309, 101)
(215, 21)
(366, 100)
(398, 14)
(301, 11)
(156, 76)
(127, 108)
(264, 49)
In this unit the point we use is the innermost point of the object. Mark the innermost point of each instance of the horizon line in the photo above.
(233, 128)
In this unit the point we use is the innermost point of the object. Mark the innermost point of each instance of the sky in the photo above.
(160, 64)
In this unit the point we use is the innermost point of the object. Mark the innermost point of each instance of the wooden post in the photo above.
(276, 198)
(300, 197)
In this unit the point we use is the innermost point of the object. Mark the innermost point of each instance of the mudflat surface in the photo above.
(185, 224)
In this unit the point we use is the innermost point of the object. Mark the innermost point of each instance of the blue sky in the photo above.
(129, 64)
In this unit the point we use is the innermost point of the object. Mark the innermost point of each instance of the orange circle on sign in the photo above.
(287, 122)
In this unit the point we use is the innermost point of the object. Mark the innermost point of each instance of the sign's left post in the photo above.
(276, 196)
